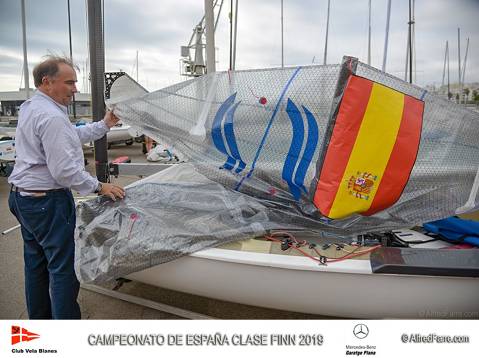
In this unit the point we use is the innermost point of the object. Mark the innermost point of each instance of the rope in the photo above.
(292, 242)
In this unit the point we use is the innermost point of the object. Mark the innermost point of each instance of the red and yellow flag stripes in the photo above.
(372, 150)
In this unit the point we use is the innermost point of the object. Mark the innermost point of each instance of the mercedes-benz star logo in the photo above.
(361, 331)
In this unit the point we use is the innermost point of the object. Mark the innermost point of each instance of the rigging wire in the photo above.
(21, 78)
(231, 35)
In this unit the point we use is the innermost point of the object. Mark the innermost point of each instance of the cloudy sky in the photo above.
(157, 29)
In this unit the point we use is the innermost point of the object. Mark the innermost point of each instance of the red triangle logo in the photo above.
(20, 334)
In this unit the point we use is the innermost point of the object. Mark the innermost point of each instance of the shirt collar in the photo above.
(61, 106)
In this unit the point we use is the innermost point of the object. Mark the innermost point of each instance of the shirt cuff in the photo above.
(105, 127)
(92, 185)
(96, 185)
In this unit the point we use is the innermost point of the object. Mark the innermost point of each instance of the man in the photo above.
(49, 163)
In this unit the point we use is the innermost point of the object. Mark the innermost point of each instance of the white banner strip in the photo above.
(313, 338)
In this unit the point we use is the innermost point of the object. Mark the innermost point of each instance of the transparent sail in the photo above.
(264, 144)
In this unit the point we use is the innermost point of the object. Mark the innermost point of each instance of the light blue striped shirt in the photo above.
(49, 148)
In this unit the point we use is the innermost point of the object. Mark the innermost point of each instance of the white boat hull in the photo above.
(7, 151)
(119, 134)
(293, 283)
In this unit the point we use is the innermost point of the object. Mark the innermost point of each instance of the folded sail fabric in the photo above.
(372, 150)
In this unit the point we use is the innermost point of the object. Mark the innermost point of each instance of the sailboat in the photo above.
(286, 167)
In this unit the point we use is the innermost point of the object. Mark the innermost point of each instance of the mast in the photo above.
(97, 67)
(369, 34)
(71, 55)
(444, 67)
(197, 66)
(448, 77)
(84, 78)
(282, 36)
(234, 36)
(136, 65)
(459, 58)
(210, 38)
(87, 75)
(410, 42)
(464, 70)
(327, 30)
(413, 39)
(231, 35)
(407, 55)
(410, 23)
(25, 59)
(385, 55)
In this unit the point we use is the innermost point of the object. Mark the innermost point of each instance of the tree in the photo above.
(475, 96)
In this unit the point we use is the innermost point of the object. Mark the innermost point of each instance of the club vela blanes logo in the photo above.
(20, 334)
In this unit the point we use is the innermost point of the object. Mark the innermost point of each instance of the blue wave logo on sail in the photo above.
(296, 164)
(225, 117)
(296, 184)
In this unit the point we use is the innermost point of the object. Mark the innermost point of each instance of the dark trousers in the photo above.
(48, 224)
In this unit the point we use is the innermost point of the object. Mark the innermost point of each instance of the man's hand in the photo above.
(113, 191)
(110, 119)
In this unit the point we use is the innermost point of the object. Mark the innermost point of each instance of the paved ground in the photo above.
(97, 306)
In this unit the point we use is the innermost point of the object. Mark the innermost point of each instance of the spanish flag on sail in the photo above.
(372, 150)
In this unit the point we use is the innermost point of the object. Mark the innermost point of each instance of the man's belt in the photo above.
(22, 190)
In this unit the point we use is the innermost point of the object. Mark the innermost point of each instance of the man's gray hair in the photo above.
(49, 67)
